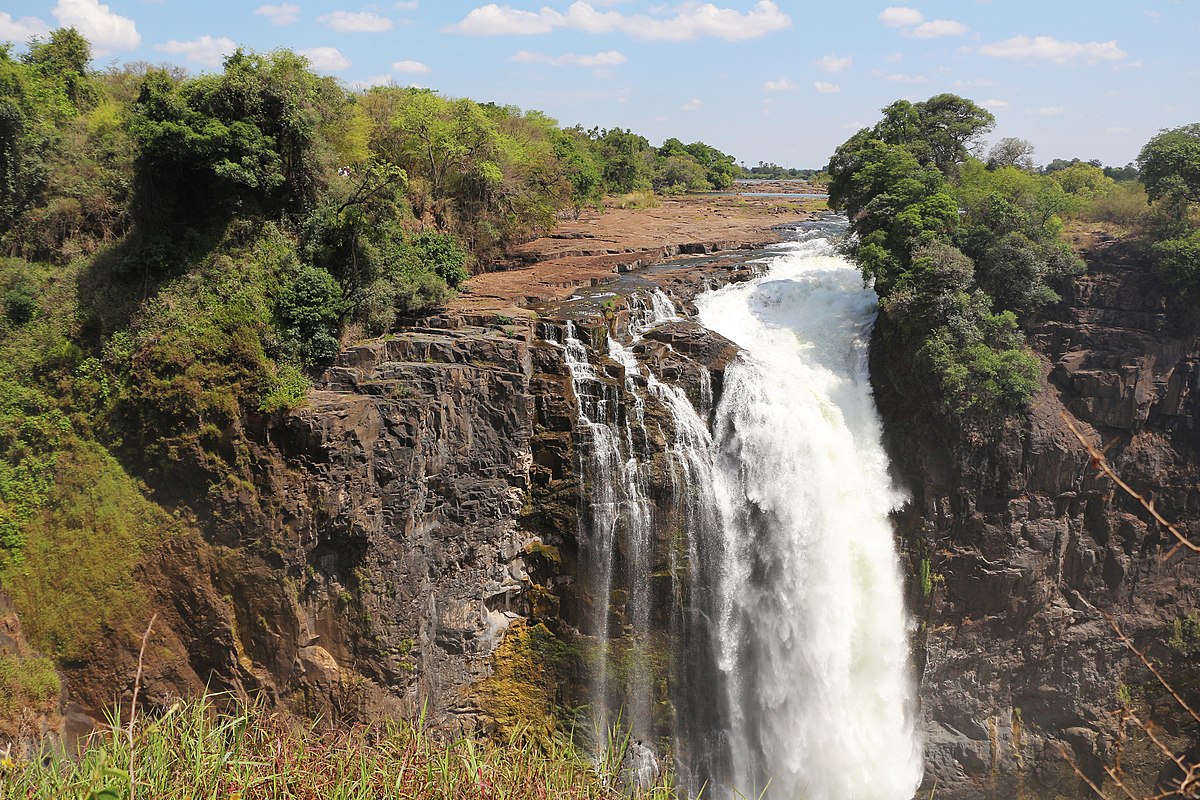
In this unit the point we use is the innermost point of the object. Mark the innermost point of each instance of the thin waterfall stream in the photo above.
(747, 604)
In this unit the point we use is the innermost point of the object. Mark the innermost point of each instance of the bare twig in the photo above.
(1150, 666)
(1100, 464)
(1062, 750)
(137, 685)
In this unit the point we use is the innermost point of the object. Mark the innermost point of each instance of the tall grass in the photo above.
(191, 751)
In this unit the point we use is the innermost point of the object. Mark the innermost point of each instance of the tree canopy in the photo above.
(957, 249)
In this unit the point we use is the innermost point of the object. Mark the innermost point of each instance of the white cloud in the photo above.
(781, 85)
(355, 22)
(824, 87)
(832, 64)
(494, 20)
(406, 5)
(939, 27)
(994, 104)
(963, 84)
(410, 67)
(1047, 48)
(900, 77)
(1047, 111)
(325, 59)
(18, 30)
(609, 58)
(694, 104)
(900, 16)
(206, 50)
(374, 80)
(852, 126)
(106, 30)
(894, 57)
(282, 14)
(692, 20)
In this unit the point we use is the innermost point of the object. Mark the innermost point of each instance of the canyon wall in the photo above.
(1018, 548)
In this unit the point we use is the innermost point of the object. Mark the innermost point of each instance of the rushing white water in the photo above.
(786, 629)
(811, 627)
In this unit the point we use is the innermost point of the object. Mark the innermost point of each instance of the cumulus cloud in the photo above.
(105, 29)
(1047, 111)
(824, 87)
(781, 85)
(900, 17)
(994, 104)
(609, 58)
(206, 51)
(691, 21)
(694, 104)
(1047, 48)
(406, 5)
(372, 81)
(355, 22)
(282, 14)
(832, 64)
(939, 27)
(410, 67)
(900, 77)
(18, 30)
(325, 59)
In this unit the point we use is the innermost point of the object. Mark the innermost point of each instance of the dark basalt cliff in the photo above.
(1017, 549)
(391, 530)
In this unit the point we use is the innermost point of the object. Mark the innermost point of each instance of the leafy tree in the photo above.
(954, 248)
(1170, 163)
(624, 156)
(938, 131)
(1081, 179)
(64, 58)
(580, 167)
(246, 139)
(720, 169)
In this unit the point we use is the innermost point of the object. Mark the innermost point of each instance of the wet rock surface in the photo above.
(1018, 548)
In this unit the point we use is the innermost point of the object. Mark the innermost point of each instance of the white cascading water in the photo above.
(789, 641)
(812, 632)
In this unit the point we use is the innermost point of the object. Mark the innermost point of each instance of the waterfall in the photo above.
(786, 629)
(811, 625)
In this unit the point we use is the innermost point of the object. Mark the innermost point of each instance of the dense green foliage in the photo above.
(1170, 169)
(957, 249)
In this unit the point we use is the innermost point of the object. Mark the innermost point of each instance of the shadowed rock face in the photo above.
(1025, 546)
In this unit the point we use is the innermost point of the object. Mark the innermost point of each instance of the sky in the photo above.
(783, 81)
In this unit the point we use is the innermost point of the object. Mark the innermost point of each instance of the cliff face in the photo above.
(1018, 548)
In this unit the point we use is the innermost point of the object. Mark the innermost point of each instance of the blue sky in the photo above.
(773, 81)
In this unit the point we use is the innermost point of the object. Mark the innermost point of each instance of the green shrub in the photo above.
(20, 303)
(1179, 260)
(440, 254)
(27, 682)
(1125, 204)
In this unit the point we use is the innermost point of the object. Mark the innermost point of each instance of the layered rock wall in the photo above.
(1018, 549)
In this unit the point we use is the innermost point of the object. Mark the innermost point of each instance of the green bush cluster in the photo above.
(957, 249)
(1170, 169)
